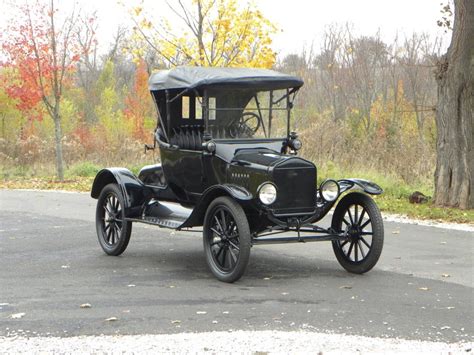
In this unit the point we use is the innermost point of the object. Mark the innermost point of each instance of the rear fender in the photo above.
(134, 192)
(361, 184)
(241, 195)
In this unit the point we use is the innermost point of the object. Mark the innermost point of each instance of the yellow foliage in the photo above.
(230, 34)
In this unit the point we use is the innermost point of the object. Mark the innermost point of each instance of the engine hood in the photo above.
(293, 177)
(266, 159)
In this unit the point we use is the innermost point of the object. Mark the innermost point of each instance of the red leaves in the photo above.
(26, 96)
(40, 69)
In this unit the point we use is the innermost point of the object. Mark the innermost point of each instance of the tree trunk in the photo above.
(454, 175)
(58, 135)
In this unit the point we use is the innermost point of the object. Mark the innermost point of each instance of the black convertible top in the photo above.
(209, 77)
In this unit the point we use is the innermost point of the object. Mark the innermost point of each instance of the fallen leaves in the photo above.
(17, 315)
(45, 183)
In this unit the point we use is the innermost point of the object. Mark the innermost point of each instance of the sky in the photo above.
(301, 22)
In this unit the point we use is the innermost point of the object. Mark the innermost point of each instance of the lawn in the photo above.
(394, 199)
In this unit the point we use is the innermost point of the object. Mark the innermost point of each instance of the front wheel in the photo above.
(359, 217)
(226, 239)
(113, 230)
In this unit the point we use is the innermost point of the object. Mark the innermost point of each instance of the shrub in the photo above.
(85, 169)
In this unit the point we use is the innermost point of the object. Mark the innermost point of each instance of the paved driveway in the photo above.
(51, 263)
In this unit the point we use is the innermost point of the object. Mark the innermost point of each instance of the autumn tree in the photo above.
(44, 52)
(11, 117)
(330, 69)
(213, 33)
(138, 103)
(454, 175)
(365, 57)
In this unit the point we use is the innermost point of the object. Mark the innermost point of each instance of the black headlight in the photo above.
(295, 144)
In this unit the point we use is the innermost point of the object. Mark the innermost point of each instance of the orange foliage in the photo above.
(137, 100)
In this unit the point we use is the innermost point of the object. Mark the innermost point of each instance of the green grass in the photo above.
(85, 169)
(79, 177)
(395, 196)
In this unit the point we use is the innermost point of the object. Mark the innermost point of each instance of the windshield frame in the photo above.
(288, 96)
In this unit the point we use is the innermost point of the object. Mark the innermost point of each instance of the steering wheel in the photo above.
(247, 126)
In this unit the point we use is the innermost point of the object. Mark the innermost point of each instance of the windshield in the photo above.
(234, 114)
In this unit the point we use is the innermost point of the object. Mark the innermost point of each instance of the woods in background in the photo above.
(365, 103)
(369, 103)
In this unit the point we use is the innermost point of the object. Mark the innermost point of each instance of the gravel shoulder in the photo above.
(242, 342)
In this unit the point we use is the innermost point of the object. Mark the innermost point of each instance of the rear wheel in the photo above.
(226, 239)
(112, 229)
(358, 215)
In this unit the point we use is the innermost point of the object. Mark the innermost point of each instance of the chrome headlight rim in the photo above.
(261, 188)
(331, 197)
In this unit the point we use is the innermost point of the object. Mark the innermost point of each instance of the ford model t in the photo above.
(229, 164)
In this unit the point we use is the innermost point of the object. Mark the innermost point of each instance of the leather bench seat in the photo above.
(191, 136)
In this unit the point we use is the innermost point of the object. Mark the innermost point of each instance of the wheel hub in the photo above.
(354, 232)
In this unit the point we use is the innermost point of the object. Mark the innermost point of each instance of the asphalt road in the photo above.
(51, 263)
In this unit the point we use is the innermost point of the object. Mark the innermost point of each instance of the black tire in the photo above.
(359, 215)
(113, 231)
(226, 239)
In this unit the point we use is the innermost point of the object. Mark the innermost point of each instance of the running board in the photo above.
(164, 214)
(301, 239)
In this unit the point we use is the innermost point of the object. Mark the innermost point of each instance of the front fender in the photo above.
(197, 216)
(134, 192)
(364, 185)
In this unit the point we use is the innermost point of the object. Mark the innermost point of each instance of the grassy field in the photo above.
(394, 199)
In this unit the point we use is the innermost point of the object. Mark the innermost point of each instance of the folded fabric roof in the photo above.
(209, 77)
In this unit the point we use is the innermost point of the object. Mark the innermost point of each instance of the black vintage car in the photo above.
(229, 164)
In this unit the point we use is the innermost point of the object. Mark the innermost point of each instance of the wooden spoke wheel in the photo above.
(112, 229)
(359, 217)
(226, 239)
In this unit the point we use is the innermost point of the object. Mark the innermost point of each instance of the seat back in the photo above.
(191, 136)
(188, 137)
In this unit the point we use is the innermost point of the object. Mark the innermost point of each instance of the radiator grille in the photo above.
(296, 187)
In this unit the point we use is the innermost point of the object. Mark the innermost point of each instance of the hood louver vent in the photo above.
(240, 179)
